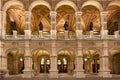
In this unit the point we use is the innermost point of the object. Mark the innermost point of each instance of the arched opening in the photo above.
(90, 21)
(40, 20)
(115, 62)
(66, 61)
(41, 61)
(15, 20)
(15, 62)
(91, 61)
(65, 20)
(113, 19)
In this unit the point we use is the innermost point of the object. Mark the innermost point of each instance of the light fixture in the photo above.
(21, 59)
(85, 59)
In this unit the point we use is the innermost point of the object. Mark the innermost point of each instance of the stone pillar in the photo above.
(27, 28)
(66, 34)
(78, 24)
(53, 24)
(91, 34)
(104, 62)
(40, 34)
(14, 34)
(27, 72)
(116, 33)
(104, 31)
(53, 59)
(79, 72)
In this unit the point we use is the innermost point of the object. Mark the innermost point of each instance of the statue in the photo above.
(66, 25)
(91, 26)
(14, 25)
(115, 26)
(40, 26)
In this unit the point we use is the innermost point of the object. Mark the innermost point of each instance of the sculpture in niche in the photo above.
(13, 25)
(66, 25)
(40, 26)
(115, 26)
(91, 26)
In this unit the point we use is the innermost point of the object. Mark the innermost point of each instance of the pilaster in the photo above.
(53, 59)
(104, 31)
(104, 62)
(79, 72)
(27, 28)
(53, 24)
(78, 24)
(28, 72)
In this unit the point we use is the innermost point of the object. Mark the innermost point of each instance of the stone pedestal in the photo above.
(116, 33)
(40, 34)
(79, 72)
(27, 34)
(53, 70)
(91, 34)
(53, 34)
(28, 72)
(78, 34)
(14, 34)
(104, 67)
(66, 34)
(104, 34)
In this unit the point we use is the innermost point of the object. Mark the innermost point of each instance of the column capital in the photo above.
(53, 13)
(78, 13)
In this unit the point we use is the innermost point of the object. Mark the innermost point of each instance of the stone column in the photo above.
(66, 34)
(28, 72)
(53, 60)
(3, 61)
(15, 34)
(78, 24)
(104, 62)
(40, 34)
(27, 28)
(79, 72)
(104, 31)
(116, 33)
(53, 24)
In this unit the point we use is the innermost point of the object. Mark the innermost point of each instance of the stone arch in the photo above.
(10, 49)
(6, 6)
(39, 2)
(93, 3)
(15, 56)
(10, 3)
(114, 61)
(114, 3)
(66, 2)
(32, 51)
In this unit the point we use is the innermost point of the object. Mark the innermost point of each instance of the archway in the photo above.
(15, 61)
(15, 19)
(115, 61)
(65, 21)
(90, 21)
(66, 63)
(113, 17)
(91, 61)
(40, 20)
(41, 61)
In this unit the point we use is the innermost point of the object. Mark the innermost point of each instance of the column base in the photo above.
(53, 34)
(80, 74)
(105, 74)
(27, 73)
(53, 74)
(116, 33)
(104, 34)
(78, 34)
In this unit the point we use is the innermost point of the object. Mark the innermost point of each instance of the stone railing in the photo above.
(60, 37)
